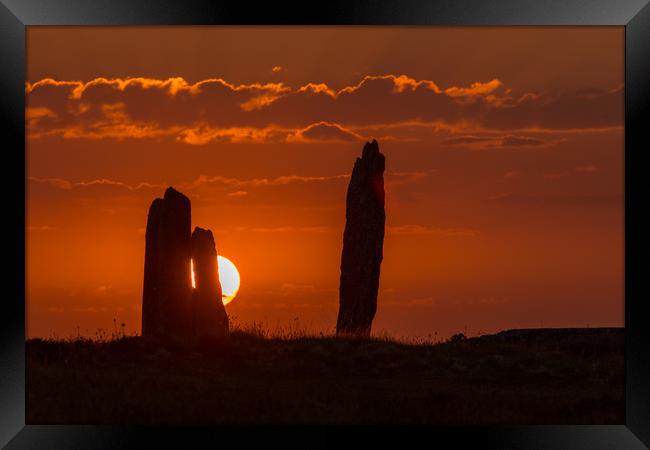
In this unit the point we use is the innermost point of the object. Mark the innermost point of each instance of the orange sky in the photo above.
(504, 169)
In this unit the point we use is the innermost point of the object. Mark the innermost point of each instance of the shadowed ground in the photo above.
(545, 376)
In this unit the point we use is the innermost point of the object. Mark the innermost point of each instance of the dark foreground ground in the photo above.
(558, 376)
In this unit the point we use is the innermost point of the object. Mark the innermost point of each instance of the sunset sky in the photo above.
(504, 169)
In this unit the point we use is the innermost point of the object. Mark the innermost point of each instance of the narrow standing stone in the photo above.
(363, 241)
(209, 314)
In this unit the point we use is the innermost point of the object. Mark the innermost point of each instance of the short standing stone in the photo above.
(363, 241)
(209, 314)
(167, 290)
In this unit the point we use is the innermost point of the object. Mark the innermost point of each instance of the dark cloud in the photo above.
(550, 200)
(566, 111)
(463, 140)
(492, 141)
(216, 110)
(518, 141)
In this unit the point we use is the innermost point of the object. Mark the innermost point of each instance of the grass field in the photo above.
(543, 376)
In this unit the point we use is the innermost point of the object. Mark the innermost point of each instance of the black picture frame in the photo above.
(634, 15)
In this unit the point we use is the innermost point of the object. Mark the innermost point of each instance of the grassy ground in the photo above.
(546, 376)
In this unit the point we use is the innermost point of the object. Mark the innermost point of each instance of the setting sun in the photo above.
(228, 277)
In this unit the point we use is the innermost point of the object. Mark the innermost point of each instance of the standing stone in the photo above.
(363, 241)
(209, 314)
(167, 290)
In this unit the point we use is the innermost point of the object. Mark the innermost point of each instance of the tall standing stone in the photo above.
(209, 314)
(363, 241)
(167, 290)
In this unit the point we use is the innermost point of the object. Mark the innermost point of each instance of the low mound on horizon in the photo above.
(524, 376)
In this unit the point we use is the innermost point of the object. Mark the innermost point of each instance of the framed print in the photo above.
(239, 222)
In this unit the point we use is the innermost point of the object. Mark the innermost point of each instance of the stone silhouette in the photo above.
(167, 290)
(363, 241)
(209, 314)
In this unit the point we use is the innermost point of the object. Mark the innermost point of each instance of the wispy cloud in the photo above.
(433, 231)
(504, 141)
(324, 131)
(260, 182)
(237, 194)
(62, 183)
(587, 169)
(584, 170)
(40, 228)
(570, 200)
(287, 229)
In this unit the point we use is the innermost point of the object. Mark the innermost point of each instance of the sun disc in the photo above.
(229, 279)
